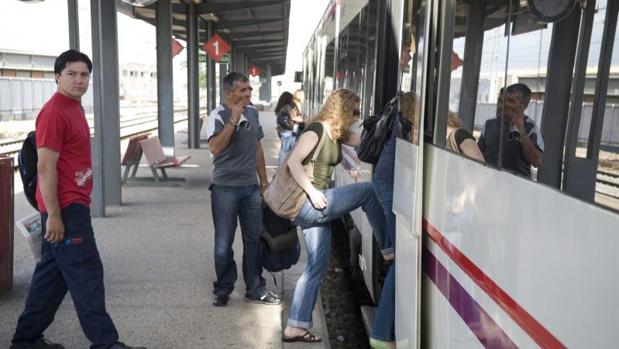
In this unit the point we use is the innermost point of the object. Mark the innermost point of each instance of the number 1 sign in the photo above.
(216, 47)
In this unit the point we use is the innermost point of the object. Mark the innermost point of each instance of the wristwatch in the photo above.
(231, 123)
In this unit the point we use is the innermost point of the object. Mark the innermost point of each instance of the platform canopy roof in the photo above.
(258, 27)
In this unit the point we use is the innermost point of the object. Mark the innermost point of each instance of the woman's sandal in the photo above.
(306, 337)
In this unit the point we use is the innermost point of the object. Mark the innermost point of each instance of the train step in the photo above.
(368, 314)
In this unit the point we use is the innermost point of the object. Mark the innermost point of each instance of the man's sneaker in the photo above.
(39, 344)
(267, 298)
(121, 345)
(220, 300)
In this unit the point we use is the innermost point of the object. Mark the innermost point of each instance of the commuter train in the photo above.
(486, 258)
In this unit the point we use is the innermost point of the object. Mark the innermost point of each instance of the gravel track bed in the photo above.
(343, 295)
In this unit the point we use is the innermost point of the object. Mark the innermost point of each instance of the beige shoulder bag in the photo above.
(284, 195)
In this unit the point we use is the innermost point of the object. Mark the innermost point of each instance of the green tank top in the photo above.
(329, 156)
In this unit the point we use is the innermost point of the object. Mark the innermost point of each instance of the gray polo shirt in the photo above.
(236, 165)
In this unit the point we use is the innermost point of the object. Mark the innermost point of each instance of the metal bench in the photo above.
(133, 156)
(157, 160)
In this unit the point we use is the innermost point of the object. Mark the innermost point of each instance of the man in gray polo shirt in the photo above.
(234, 134)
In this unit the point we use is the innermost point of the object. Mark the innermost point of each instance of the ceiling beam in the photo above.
(210, 7)
(246, 22)
(250, 35)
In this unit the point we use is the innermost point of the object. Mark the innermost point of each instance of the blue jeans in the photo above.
(72, 265)
(227, 204)
(317, 234)
(384, 323)
(288, 139)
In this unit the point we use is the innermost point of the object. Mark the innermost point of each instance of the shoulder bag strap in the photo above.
(319, 145)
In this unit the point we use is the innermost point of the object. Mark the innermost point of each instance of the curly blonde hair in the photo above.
(407, 106)
(339, 111)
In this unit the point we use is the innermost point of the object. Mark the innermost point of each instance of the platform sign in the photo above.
(216, 47)
(253, 70)
(225, 59)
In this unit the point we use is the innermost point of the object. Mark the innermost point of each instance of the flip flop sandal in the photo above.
(307, 337)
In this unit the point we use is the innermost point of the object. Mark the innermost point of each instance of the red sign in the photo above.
(176, 47)
(253, 70)
(216, 47)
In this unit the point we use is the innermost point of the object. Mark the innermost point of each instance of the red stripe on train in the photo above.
(532, 327)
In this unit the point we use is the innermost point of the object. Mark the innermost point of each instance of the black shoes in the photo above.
(220, 300)
(120, 345)
(267, 298)
(39, 344)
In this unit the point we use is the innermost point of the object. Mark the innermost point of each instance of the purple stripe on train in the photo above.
(481, 324)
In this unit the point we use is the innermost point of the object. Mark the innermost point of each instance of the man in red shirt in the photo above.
(69, 256)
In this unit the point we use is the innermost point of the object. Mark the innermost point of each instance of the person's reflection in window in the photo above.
(460, 140)
(523, 145)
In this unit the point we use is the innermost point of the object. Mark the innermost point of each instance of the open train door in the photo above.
(414, 26)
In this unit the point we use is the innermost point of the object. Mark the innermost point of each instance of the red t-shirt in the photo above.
(61, 126)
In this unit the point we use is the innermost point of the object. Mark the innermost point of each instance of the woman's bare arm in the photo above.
(301, 151)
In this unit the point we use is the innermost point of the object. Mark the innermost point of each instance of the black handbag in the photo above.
(376, 132)
(280, 244)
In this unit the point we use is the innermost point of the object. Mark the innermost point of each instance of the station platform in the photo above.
(157, 252)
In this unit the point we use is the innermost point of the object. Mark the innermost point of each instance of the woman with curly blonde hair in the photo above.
(324, 203)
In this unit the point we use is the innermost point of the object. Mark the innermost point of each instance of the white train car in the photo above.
(487, 256)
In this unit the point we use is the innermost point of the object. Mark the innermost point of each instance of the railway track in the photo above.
(129, 126)
(607, 183)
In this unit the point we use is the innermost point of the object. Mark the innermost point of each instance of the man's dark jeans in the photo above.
(227, 204)
(72, 265)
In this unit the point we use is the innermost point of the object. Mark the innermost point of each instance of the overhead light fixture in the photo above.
(139, 3)
(210, 17)
(31, 1)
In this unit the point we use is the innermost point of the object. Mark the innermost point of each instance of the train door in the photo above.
(413, 55)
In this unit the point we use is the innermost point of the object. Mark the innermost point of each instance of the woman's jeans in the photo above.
(384, 323)
(288, 139)
(317, 235)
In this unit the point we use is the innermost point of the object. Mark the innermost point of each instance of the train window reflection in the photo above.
(471, 71)
(586, 107)
(409, 60)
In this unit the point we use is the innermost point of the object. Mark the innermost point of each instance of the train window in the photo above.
(356, 49)
(368, 42)
(470, 62)
(327, 82)
(586, 107)
(411, 57)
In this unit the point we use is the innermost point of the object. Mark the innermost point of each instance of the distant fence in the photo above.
(610, 132)
(22, 98)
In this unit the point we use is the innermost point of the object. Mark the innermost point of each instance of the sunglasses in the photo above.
(243, 125)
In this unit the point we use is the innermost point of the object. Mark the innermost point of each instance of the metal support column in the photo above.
(473, 46)
(7, 214)
(557, 97)
(165, 85)
(582, 181)
(106, 155)
(211, 88)
(387, 59)
(193, 90)
(74, 24)
(265, 89)
(223, 70)
(237, 60)
(445, 35)
(573, 164)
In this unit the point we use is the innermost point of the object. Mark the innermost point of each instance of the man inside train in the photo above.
(523, 145)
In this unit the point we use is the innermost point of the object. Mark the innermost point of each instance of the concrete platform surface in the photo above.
(157, 252)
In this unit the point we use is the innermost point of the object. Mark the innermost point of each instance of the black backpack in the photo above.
(27, 163)
(280, 245)
(376, 132)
